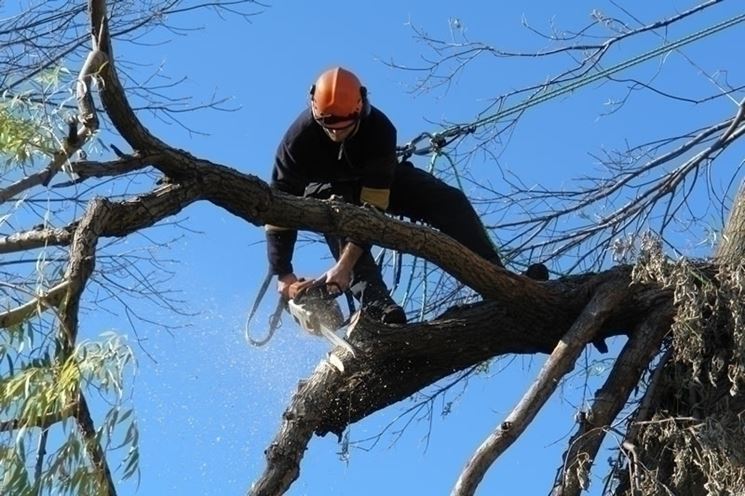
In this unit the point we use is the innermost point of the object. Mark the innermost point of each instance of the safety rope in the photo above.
(437, 141)
(433, 160)
(434, 143)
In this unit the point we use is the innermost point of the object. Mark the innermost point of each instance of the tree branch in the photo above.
(643, 344)
(250, 198)
(76, 139)
(81, 265)
(112, 93)
(561, 362)
(36, 238)
(51, 298)
(394, 362)
(128, 163)
(92, 445)
(41, 422)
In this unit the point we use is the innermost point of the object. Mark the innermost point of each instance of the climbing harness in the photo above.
(435, 142)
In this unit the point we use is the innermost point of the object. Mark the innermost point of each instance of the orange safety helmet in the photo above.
(338, 96)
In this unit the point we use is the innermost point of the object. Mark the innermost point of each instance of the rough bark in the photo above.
(731, 247)
(560, 363)
(395, 362)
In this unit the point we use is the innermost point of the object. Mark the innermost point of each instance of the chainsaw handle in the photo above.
(338, 289)
(321, 288)
(274, 323)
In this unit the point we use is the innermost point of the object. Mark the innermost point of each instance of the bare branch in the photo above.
(629, 218)
(85, 169)
(460, 54)
(92, 445)
(51, 298)
(76, 139)
(559, 363)
(643, 344)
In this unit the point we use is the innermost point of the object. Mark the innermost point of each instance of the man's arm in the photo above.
(280, 244)
(341, 273)
(288, 176)
(378, 169)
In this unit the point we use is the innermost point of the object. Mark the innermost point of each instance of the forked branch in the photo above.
(643, 345)
(559, 363)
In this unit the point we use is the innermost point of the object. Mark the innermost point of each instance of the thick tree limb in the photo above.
(82, 262)
(250, 198)
(79, 270)
(559, 363)
(394, 362)
(643, 344)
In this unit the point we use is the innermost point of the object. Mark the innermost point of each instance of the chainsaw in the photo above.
(316, 310)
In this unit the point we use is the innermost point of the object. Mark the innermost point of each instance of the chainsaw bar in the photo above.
(318, 312)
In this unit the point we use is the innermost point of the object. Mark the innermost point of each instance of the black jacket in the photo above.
(307, 155)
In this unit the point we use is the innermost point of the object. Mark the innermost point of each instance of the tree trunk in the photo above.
(687, 437)
(732, 244)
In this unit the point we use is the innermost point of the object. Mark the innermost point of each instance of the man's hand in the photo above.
(338, 278)
(340, 275)
(289, 285)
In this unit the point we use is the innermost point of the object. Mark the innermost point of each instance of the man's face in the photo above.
(340, 131)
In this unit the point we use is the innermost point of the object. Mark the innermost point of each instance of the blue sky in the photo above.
(207, 403)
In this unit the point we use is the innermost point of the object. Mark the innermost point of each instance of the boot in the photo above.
(537, 272)
(386, 311)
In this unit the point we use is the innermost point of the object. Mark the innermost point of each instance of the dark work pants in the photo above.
(420, 196)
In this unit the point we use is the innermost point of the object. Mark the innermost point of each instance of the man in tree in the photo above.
(342, 145)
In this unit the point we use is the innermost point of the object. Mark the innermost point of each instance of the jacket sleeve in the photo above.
(378, 169)
(287, 176)
(280, 244)
(376, 183)
(379, 166)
